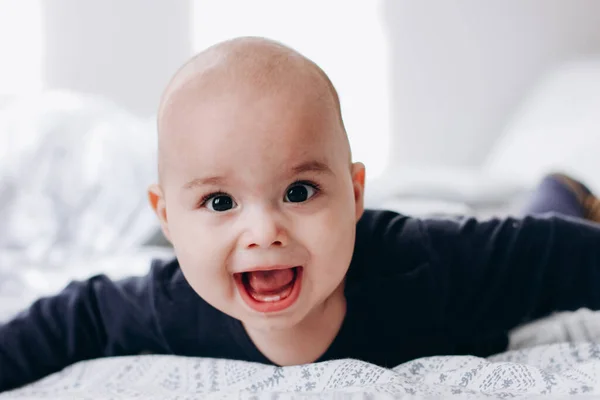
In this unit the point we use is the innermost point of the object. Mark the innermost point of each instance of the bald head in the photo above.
(259, 62)
(245, 65)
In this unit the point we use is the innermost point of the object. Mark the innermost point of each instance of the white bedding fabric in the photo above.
(554, 129)
(74, 171)
(548, 372)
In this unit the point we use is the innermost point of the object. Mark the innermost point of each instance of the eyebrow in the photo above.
(308, 166)
(198, 182)
(311, 166)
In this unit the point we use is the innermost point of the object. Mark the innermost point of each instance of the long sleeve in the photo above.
(87, 320)
(495, 275)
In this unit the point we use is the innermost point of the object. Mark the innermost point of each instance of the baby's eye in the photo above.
(219, 202)
(299, 192)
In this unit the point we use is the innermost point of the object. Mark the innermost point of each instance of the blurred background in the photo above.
(456, 107)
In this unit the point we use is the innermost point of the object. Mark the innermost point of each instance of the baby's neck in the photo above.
(307, 341)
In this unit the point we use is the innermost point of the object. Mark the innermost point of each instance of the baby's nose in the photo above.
(265, 229)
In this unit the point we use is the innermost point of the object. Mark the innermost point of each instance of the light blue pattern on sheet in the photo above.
(553, 371)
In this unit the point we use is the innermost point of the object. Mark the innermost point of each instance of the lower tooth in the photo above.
(270, 298)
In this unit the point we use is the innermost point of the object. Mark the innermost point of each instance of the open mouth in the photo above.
(270, 290)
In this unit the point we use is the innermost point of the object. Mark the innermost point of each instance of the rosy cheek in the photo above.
(188, 236)
(207, 243)
(315, 233)
(334, 235)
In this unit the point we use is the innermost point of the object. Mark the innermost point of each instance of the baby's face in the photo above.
(260, 202)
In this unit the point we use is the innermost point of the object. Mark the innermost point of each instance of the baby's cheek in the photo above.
(332, 241)
(205, 272)
(203, 255)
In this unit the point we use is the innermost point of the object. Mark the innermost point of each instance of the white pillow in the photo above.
(438, 190)
(74, 171)
(556, 129)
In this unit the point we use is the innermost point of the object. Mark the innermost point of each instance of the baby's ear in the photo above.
(157, 201)
(358, 182)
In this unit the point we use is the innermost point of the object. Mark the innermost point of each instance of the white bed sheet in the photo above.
(549, 372)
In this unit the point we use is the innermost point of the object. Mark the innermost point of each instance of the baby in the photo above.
(258, 194)
(278, 262)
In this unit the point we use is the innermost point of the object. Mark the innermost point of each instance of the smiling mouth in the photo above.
(268, 291)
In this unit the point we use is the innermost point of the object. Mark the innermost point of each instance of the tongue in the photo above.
(270, 281)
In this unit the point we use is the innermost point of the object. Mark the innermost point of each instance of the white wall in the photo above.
(20, 60)
(459, 68)
(125, 50)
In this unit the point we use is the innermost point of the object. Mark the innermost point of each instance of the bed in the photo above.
(550, 358)
(549, 372)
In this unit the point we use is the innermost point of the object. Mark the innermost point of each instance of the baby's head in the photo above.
(255, 174)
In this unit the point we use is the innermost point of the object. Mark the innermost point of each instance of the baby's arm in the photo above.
(499, 274)
(87, 320)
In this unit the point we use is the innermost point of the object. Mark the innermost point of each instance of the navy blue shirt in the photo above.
(415, 288)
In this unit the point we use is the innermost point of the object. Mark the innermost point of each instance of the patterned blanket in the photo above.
(551, 371)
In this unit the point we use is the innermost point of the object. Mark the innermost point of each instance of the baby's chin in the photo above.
(268, 324)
